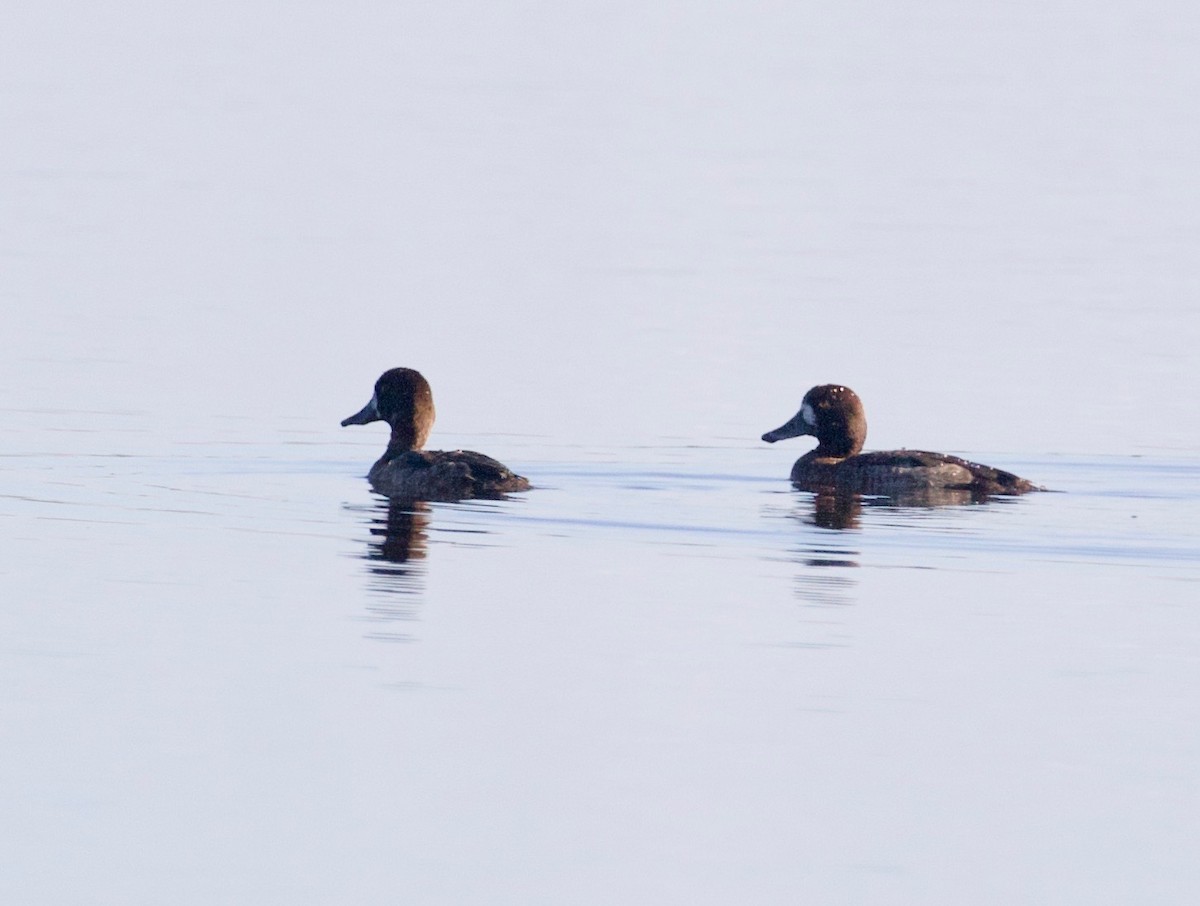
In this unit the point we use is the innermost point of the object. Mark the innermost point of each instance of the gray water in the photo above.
(621, 242)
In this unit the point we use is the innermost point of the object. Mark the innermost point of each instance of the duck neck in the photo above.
(404, 439)
(835, 450)
(844, 441)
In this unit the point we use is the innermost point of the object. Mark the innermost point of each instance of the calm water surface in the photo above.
(656, 676)
(621, 241)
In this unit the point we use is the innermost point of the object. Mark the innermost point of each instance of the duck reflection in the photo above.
(826, 587)
(395, 555)
(839, 510)
(824, 580)
(836, 511)
(399, 533)
(826, 562)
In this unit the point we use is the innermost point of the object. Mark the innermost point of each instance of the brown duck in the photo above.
(834, 415)
(403, 399)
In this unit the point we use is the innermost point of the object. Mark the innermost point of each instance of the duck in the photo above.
(834, 415)
(404, 400)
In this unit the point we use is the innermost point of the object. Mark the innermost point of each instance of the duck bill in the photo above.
(795, 427)
(369, 413)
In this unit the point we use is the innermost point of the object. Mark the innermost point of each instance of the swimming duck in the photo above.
(834, 415)
(403, 399)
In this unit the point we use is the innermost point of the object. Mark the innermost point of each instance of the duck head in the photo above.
(402, 399)
(831, 413)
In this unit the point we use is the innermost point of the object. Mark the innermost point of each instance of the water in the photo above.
(621, 242)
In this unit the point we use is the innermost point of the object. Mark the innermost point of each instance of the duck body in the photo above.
(834, 415)
(902, 472)
(404, 400)
(443, 475)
